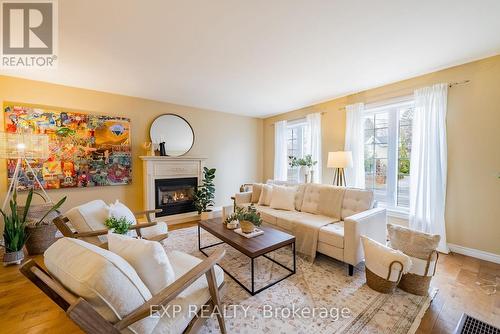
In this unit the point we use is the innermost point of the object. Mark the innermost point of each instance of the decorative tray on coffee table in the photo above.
(255, 233)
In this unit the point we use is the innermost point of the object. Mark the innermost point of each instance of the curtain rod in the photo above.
(298, 118)
(453, 84)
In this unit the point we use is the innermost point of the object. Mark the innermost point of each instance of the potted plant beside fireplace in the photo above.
(205, 194)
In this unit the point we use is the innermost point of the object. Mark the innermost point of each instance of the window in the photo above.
(296, 143)
(387, 141)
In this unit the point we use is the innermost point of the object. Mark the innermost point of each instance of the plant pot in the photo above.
(303, 174)
(246, 226)
(13, 258)
(40, 238)
(206, 215)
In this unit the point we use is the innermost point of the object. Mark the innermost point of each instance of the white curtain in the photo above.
(280, 151)
(429, 162)
(354, 142)
(313, 147)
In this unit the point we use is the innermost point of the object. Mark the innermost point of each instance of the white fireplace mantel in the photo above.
(158, 167)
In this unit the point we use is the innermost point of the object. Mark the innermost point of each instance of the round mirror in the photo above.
(175, 132)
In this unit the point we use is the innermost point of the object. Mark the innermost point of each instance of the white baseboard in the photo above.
(478, 254)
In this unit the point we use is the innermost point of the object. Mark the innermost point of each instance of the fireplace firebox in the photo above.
(175, 195)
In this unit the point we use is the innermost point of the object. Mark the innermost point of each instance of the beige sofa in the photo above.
(339, 217)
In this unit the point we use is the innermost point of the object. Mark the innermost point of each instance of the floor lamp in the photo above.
(339, 160)
(22, 146)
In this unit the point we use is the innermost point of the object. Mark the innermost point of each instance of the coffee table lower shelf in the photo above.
(252, 290)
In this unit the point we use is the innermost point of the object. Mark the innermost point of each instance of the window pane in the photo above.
(380, 182)
(378, 162)
(406, 116)
(381, 136)
(403, 199)
(369, 175)
(380, 173)
(369, 122)
(369, 137)
(381, 151)
(404, 167)
(369, 151)
(405, 142)
(296, 148)
(381, 120)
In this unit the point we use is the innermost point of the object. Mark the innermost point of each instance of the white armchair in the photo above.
(87, 222)
(102, 293)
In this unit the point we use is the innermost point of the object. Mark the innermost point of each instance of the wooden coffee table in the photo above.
(261, 245)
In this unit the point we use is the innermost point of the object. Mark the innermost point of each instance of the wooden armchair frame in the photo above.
(87, 318)
(61, 223)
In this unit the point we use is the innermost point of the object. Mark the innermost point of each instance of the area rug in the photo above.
(340, 303)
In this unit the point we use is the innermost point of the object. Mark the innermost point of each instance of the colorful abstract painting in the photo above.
(86, 150)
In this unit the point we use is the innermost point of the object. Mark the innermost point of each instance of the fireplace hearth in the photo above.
(175, 195)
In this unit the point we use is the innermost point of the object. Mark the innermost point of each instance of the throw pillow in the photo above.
(266, 195)
(256, 191)
(413, 243)
(148, 258)
(283, 198)
(119, 210)
(102, 278)
(378, 259)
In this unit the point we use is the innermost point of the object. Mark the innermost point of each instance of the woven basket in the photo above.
(40, 238)
(380, 284)
(246, 226)
(41, 235)
(36, 211)
(418, 284)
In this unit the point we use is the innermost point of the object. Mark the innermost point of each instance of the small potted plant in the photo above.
(205, 194)
(248, 218)
(305, 164)
(119, 225)
(15, 233)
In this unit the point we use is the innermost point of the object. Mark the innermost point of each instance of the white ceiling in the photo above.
(263, 57)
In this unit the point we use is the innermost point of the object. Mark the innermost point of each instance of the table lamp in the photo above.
(339, 160)
(23, 146)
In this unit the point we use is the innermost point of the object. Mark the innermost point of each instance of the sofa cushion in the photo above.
(356, 201)
(102, 278)
(267, 214)
(283, 198)
(266, 195)
(285, 219)
(148, 258)
(323, 199)
(195, 295)
(332, 234)
(256, 190)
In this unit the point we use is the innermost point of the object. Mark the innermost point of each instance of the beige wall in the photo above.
(232, 144)
(473, 126)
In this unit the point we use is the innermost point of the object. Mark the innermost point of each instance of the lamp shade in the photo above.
(339, 159)
(23, 145)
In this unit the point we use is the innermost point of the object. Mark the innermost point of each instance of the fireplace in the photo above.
(175, 195)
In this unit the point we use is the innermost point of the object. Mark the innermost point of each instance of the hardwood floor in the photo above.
(25, 309)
